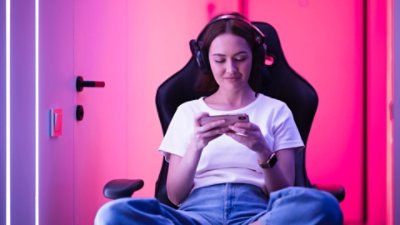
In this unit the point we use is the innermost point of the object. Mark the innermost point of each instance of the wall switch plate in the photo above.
(56, 115)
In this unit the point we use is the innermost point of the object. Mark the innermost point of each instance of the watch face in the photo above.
(270, 162)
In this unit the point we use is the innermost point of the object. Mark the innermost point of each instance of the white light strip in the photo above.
(37, 112)
(8, 115)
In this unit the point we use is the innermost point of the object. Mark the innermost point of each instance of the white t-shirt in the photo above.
(224, 160)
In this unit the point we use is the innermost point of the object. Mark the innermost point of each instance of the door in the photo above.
(88, 39)
(56, 54)
(100, 53)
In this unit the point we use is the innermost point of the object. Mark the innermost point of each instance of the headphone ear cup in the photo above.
(197, 53)
(261, 50)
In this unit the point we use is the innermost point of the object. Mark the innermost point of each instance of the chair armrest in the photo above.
(336, 190)
(121, 188)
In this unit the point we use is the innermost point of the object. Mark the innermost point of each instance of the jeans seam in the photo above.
(228, 188)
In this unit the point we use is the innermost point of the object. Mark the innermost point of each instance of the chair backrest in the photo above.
(282, 83)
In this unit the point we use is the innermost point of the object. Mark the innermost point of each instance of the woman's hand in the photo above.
(250, 135)
(282, 174)
(208, 132)
(183, 169)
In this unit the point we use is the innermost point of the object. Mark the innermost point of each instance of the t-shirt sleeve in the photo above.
(178, 135)
(286, 134)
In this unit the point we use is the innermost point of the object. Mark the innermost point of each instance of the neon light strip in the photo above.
(37, 112)
(8, 115)
(389, 114)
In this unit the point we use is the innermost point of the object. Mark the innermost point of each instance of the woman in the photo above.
(220, 173)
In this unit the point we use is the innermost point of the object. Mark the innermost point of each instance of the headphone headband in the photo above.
(233, 17)
(236, 17)
(196, 46)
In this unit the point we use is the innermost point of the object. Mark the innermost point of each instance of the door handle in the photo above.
(80, 84)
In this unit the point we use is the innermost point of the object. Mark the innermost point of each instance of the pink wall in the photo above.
(323, 42)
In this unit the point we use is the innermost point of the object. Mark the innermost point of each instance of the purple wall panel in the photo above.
(22, 112)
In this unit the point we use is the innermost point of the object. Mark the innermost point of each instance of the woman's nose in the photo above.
(231, 67)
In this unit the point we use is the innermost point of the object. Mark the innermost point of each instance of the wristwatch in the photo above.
(271, 161)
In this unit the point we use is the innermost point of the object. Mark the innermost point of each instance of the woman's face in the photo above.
(230, 59)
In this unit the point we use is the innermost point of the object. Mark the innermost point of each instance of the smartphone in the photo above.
(229, 119)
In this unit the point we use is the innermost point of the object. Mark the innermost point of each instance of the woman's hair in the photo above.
(235, 24)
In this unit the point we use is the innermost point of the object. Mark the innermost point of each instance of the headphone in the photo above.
(196, 46)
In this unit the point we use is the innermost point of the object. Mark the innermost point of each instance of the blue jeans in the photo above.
(233, 204)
